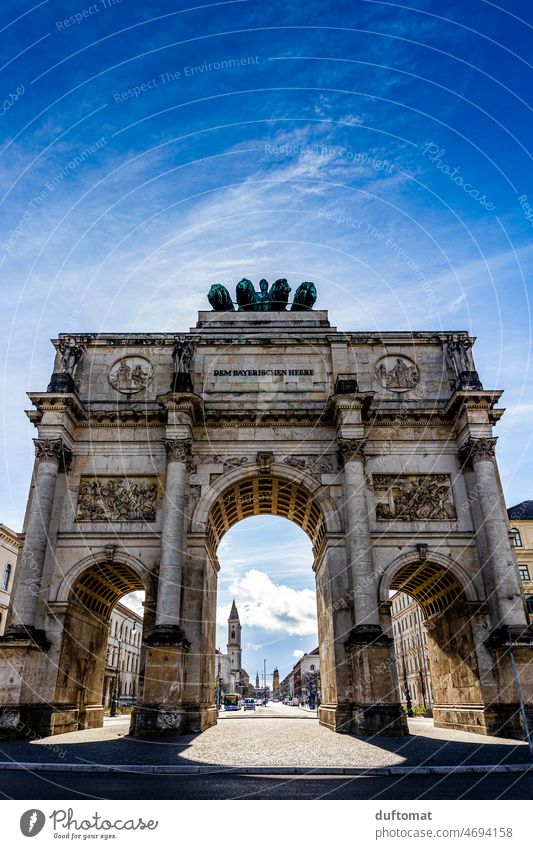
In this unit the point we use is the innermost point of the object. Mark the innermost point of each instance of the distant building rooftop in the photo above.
(521, 511)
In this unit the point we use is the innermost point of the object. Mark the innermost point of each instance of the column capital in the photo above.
(179, 451)
(53, 451)
(476, 449)
(350, 449)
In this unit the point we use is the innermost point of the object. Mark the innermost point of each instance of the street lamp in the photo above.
(408, 702)
(116, 688)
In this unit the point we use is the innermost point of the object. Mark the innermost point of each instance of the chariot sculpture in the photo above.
(273, 299)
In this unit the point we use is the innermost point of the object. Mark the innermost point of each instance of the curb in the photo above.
(266, 770)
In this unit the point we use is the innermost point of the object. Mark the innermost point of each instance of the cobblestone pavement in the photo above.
(272, 736)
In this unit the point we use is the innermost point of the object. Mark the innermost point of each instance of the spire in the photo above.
(257, 681)
(233, 612)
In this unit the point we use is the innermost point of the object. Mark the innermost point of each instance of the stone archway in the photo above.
(89, 594)
(371, 442)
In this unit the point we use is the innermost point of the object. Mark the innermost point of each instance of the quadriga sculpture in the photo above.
(220, 298)
(274, 299)
(304, 297)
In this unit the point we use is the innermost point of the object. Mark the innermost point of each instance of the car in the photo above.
(248, 704)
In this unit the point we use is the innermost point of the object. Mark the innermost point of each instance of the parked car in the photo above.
(249, 704)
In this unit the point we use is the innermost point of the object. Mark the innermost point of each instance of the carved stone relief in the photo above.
(114, 499)
(130, 375)
(413, 498)
(316, 466)
(397, 373)
(227, 462)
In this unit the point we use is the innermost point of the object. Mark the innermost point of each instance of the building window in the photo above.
(529, 602)
(6, 577)
(524, 572)
(517, 539)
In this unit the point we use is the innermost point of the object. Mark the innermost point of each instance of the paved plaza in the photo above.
(272, 736)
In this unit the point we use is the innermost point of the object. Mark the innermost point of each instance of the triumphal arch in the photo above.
(149, 447)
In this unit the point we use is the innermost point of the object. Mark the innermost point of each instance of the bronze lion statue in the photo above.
(246, 297)
(278, 295)
(219, 298)
(304, 297)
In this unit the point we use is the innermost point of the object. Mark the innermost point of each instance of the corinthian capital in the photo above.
(52, 451)
(179, 451)
(350, 449)
(477, 449)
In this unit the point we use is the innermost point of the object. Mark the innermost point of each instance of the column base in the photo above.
(32, 721)
(91, 716)
(161, 710)
(158, 721)
(385, 720)
(200, 718)
(498, 720)
(337, 718)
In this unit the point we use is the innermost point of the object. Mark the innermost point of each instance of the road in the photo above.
(274, 710)
(68, 785)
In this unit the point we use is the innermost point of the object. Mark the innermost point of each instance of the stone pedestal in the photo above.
(376, 708)
(161, 710)
(21, 667)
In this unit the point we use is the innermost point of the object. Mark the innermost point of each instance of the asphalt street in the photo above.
(41, 786)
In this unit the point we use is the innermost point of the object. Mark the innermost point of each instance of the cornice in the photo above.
(60, 402)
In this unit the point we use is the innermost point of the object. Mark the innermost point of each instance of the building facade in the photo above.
(306, 678)
(411, 652)
(380, 446)
(10, 544)
(123, 660)
(521, 524)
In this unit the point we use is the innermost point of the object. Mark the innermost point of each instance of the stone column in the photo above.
(375, 706)
(357, 530)
(161, 708)
(173, 536)
(479, 454)
(50, 456)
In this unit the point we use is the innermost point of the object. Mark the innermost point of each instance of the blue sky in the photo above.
(146, 154)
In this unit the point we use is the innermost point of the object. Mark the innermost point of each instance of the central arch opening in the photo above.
(265, 531)
(265, 494)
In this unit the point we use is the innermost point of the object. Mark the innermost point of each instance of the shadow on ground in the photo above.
(292, 743)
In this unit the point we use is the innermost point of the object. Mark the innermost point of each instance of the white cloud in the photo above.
(272, 607)
(297, 653)
(134, 601)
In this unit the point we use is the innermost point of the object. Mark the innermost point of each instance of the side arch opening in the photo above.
(98, 663)
(436, 635)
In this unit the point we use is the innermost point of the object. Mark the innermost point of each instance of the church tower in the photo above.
(234, 640)
(257, 681)
(275, 682)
